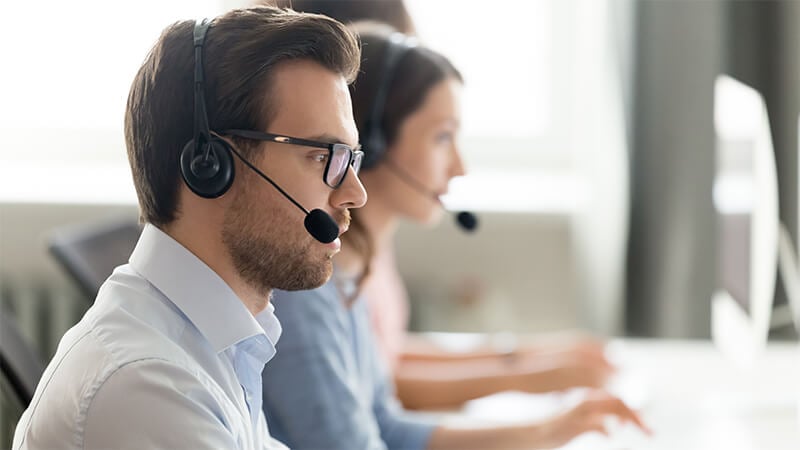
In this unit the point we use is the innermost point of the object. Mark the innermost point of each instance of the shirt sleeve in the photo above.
(170, 409)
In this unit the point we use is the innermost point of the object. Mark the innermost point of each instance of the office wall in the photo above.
(516, 273)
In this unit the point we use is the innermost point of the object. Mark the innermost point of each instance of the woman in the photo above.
(427, 376)
(327, 387)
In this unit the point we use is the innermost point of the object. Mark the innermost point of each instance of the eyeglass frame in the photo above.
(355, 153)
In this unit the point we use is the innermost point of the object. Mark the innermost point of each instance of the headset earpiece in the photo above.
(374, 145)
(208, 176)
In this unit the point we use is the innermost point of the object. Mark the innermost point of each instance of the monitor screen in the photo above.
(746, 202)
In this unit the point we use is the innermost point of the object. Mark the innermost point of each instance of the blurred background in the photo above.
(588, 133)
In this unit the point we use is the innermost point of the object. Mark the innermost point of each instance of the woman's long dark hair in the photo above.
(416, 73)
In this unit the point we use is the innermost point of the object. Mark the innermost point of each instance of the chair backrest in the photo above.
(90, 252)
(20, 365)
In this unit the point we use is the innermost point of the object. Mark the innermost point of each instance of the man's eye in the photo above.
(320, 157)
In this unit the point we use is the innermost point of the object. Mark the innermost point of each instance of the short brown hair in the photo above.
(241, 50)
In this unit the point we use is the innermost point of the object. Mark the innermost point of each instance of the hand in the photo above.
(564, 364)
(589, 415)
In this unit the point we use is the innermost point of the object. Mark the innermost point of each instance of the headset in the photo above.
(206, 162)
(373, 137)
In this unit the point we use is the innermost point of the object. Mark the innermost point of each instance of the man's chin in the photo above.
(314, 280)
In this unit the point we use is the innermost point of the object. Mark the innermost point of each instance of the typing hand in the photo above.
(592, 414)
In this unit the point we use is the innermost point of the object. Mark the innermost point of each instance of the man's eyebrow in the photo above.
(331, 139)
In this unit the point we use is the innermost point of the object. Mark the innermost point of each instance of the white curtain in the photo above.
(599, 148)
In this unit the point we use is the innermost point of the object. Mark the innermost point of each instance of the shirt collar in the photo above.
(269, 322)
(206, 300)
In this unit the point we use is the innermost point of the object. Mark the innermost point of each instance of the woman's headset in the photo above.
(373, 137)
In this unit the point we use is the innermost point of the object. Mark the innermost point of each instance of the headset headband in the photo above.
(201, 128)
(397, 46)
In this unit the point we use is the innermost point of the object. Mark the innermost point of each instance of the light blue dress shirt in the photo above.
(327, 388)
(167, 357)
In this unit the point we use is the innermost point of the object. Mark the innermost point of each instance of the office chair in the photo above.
(90, 252)
(21, 367)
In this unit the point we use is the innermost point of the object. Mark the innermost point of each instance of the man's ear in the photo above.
(236, 154)
(224, 138)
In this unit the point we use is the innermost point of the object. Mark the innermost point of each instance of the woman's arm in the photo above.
(440, 382)
(433, 346)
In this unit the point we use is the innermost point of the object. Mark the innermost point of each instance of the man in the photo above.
(171, 353)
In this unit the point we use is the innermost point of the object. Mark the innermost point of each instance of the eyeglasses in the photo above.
(340, 156)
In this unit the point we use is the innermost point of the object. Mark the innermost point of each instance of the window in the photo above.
(68, 73)
(68, 68)
(510, 61)
(530, 68)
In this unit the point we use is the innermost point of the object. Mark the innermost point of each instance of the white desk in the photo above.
(696, 399)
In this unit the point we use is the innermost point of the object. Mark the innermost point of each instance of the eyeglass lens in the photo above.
(340, 159)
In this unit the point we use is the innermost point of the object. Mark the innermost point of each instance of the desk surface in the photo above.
(693, 398)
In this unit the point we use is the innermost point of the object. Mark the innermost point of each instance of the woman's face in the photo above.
(426, 150)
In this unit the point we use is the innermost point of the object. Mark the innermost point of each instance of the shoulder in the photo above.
(132, 320)
(173, 405)
(87, 389)
(157, 382)
(129, 325)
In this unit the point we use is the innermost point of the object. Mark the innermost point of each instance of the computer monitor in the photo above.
(746, 200)
(789, 255)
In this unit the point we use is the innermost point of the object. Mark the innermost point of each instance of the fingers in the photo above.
(590, 415)
(600, 403)
(559, 430)
(596, 427)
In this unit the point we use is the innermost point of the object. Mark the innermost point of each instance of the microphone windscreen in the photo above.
(322, 226)
(467, 221)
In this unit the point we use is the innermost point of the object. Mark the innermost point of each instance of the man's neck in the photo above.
(216, 256)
